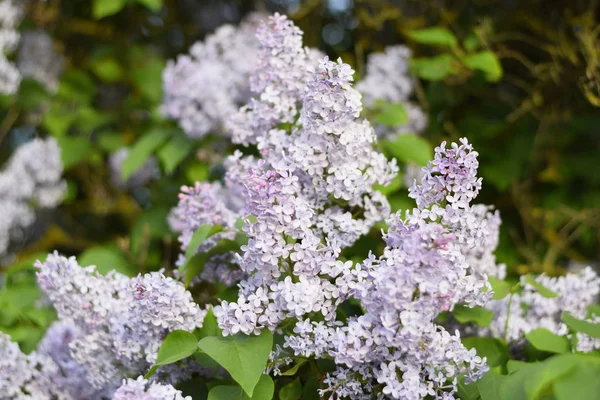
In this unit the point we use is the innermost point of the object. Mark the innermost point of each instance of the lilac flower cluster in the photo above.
(11, 13)
(30, 180)
(117, 323)
(311, 194)
(388, 79)
(396, 348)
(529, 310)
(37, 59)
(26, 376)
(141, 389)
(203, 89)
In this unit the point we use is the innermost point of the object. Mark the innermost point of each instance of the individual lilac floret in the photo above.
(11, 13)
(121, 321)
(26, 376)
(140, 177)
(30, 181)
(204, 89)
(141, 389)
(38, 60)
(530, 310)
(387, 79)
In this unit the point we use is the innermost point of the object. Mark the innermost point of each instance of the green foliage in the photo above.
(578, 325)
(199, 236)
(391, 115)
(244, 357)
(409, 149)
(501, 288)
(436, 35)
(176, 346)
(545, 340)
(486, 62)
(263, 391)
(291, 391)
(106, 259)
(104, 8)
(541, 289)
(142, 150)
(479, 315)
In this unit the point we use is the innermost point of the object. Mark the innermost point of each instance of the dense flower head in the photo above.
(141, 389)
(279, 80)
(38, 60)
(312, 192)
(120, 321)
(396, 344)
(529, 310)
(387, 79)
(26, 376)
(203, 89)
(30, 181)
(11, 13)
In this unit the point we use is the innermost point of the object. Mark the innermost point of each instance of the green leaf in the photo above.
(195, 264)
(151, 224)
(153, 5)
(544, 374)
(541, 289)
(580, 383)
(543, 339)
(106, 259)
(578, 325)
(393, 187)
(173, 153)
(393, 114)
(77, 85)
(264, 391)
(147, 77)
(291, 391)
(199, 236)
(196, 171)
(104, 8)
(142, 150)
(467, 391)
(244, 357)
(479, 315)
(292, 371)
(489, 386)
(209, 326)
(493, 349)
(500, 287)
(486, 62)
(73, 150)
(110, 142)
(409, 149)
(88, 119)
(176, 346)
(436, 35)
(107, 69)
(435, 68)
(58, 119)
(31, 94)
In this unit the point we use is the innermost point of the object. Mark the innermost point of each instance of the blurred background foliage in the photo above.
(520, 79)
